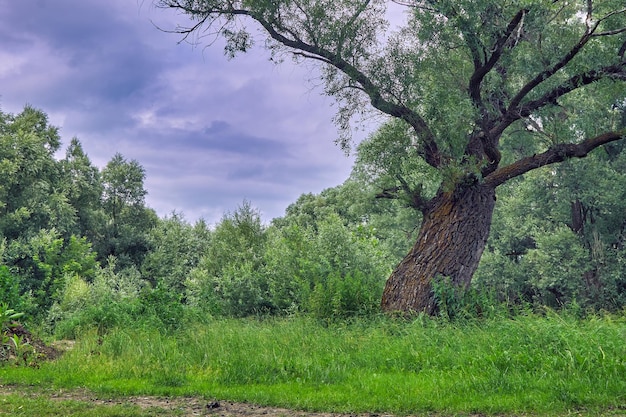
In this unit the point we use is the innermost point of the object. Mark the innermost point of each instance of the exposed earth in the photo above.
(20, 344)
(177, 406)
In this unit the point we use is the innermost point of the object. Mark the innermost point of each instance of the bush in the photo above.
(112, 299)
(352, 295)
(9, 288)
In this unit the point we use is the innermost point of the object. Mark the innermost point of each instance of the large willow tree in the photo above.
(457, 80)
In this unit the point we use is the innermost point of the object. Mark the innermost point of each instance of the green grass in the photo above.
(548, 365)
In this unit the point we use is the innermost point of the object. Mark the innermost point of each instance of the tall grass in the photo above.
(528, 364)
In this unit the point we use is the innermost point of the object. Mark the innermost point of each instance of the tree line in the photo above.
(80, 248)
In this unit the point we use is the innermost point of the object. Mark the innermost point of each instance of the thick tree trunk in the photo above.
(451, 241)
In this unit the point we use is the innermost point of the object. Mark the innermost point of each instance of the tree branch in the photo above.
(415, 198)
(546, 74)
(431, 150)
(514, 107)
(482, 70)
(610, 32)
(615, 72)
(290, 39)
(556, 153)
(389, 193)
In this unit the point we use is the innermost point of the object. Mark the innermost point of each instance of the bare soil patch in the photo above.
(177, 406)
(20, 346)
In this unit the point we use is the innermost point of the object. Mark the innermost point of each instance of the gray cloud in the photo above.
(210, 132)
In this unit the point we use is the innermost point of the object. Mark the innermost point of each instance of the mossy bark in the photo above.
(451, 241)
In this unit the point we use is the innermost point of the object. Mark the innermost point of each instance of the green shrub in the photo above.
(338, 297)
(9, 288)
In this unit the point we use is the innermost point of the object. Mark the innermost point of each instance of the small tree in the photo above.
(458, 78)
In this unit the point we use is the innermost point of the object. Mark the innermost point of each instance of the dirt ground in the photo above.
(30, 344)
(178, 406)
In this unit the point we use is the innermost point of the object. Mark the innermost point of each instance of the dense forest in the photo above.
(80, 248)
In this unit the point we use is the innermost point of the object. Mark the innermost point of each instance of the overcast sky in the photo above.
(209, 132)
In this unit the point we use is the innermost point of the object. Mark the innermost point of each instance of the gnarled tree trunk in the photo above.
(451, 241)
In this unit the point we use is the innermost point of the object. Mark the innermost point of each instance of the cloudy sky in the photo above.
(209, 132)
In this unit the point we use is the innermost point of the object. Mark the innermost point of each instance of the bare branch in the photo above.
(616, 72)
(310, 56)
(414, 4)
(610, 32)
(613, 13)
(544, 75)
(389, 193)
(417, 200)
(312, 50)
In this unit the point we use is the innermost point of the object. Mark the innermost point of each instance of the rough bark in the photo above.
(451, 241)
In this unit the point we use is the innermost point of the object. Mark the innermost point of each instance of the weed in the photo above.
(7, 315)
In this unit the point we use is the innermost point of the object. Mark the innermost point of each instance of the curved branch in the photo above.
(544, 75)
(557, 153)
(610, 32)
(617, 72)
(431, 150)
(590, 32)
(291, 40)
(613, 72)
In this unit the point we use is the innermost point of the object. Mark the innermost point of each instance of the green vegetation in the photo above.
(524, 314)
(550, 364)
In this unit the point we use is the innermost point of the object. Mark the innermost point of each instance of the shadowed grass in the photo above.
(530, 364)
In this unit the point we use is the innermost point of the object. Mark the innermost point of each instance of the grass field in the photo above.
(529, 365)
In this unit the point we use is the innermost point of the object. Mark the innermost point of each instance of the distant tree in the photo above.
(234, 262)
(456, 80)
(176, 247)
(129, 220)
(559, 235)
(45, 261)
(32, 196)
(354, 202)
(123, 188)
(83, 185)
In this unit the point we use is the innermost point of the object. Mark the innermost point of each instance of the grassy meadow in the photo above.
(540, 365)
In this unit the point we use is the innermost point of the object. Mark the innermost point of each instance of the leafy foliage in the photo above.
(559, 235)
